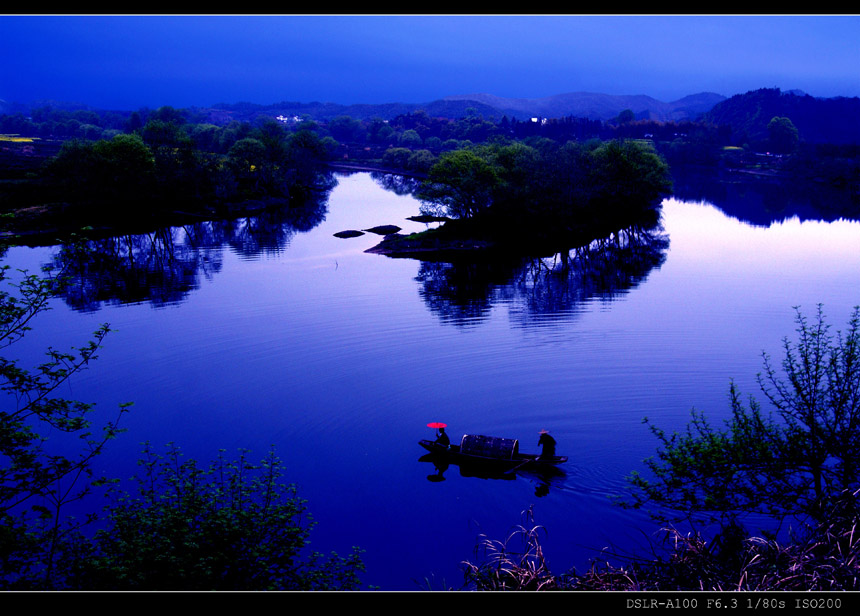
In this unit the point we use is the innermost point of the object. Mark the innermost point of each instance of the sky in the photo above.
(129, 62)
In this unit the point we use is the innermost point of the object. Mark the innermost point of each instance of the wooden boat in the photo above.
(499, 453)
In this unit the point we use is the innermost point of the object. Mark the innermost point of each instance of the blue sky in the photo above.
(128, 62)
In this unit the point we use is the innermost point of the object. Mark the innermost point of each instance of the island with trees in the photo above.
(535, 198)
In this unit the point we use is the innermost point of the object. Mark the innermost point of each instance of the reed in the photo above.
(822, 557)
(516, 563)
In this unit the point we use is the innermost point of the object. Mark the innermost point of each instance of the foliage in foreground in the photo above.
(795, 466)
(517, 563)
(36, 482)
(825, 558)
(231, 526)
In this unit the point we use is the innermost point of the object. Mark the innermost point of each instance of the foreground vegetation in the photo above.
(823, 558)
(797, 469)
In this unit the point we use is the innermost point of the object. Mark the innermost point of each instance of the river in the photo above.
(256, 335)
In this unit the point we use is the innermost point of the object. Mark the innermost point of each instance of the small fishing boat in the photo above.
(499, 453)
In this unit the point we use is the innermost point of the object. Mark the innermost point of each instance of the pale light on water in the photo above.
(339, 359)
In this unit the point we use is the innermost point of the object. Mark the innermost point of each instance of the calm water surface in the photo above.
(340, 358)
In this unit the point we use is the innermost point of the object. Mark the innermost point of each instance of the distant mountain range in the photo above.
(593, 106)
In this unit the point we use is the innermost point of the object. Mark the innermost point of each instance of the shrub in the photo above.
(230, 526)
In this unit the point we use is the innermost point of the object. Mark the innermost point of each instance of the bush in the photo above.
(797, 465)
(231, 526)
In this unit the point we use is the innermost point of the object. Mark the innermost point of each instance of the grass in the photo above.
(825, 557)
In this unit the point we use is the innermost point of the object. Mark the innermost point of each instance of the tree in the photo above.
(397, 158)
(520, 169)
(799, 465)
(73, 169)
(628, 176)
(231, 526)
(247, 157)
(165, 135)
(462, 183)
(304, 155)
(625, 117)
(346, 129)
(783, 135)
(168, 114)
(105, 171)
(410, 139)
(420, 160)
(36, 484)
(180, 170)
(126, 167)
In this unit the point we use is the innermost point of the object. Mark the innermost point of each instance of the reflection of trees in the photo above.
(157, 267)
(764, 201)
(398, 184)
(271, 231)
(162, 267)
(463, 293)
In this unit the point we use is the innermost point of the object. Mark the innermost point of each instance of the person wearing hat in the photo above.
(548, 444)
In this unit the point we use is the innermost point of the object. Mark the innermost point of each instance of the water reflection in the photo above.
(763, 201)
(543, 479)
(162, 267)
(157, 267)
(271, 231)
(398, 184)
(464, 293)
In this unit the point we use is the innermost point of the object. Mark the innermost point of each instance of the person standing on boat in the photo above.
(442, 438)
(548, 444)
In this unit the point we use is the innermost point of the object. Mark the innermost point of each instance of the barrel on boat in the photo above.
(489, 446)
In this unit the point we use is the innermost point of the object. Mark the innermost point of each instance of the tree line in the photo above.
(167, 164)
(199, 157)
(162, 160)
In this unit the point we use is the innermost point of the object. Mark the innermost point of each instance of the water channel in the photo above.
(258, 333)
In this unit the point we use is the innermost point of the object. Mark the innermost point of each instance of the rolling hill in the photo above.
(589, 105)
(595, 106)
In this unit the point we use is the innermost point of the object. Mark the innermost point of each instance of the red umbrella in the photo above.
(437, 425)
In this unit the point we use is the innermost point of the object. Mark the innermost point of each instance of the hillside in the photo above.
(327, 111)
(818, 120)
(595, 106)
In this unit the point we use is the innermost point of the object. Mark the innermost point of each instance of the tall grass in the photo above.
(824, 557)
